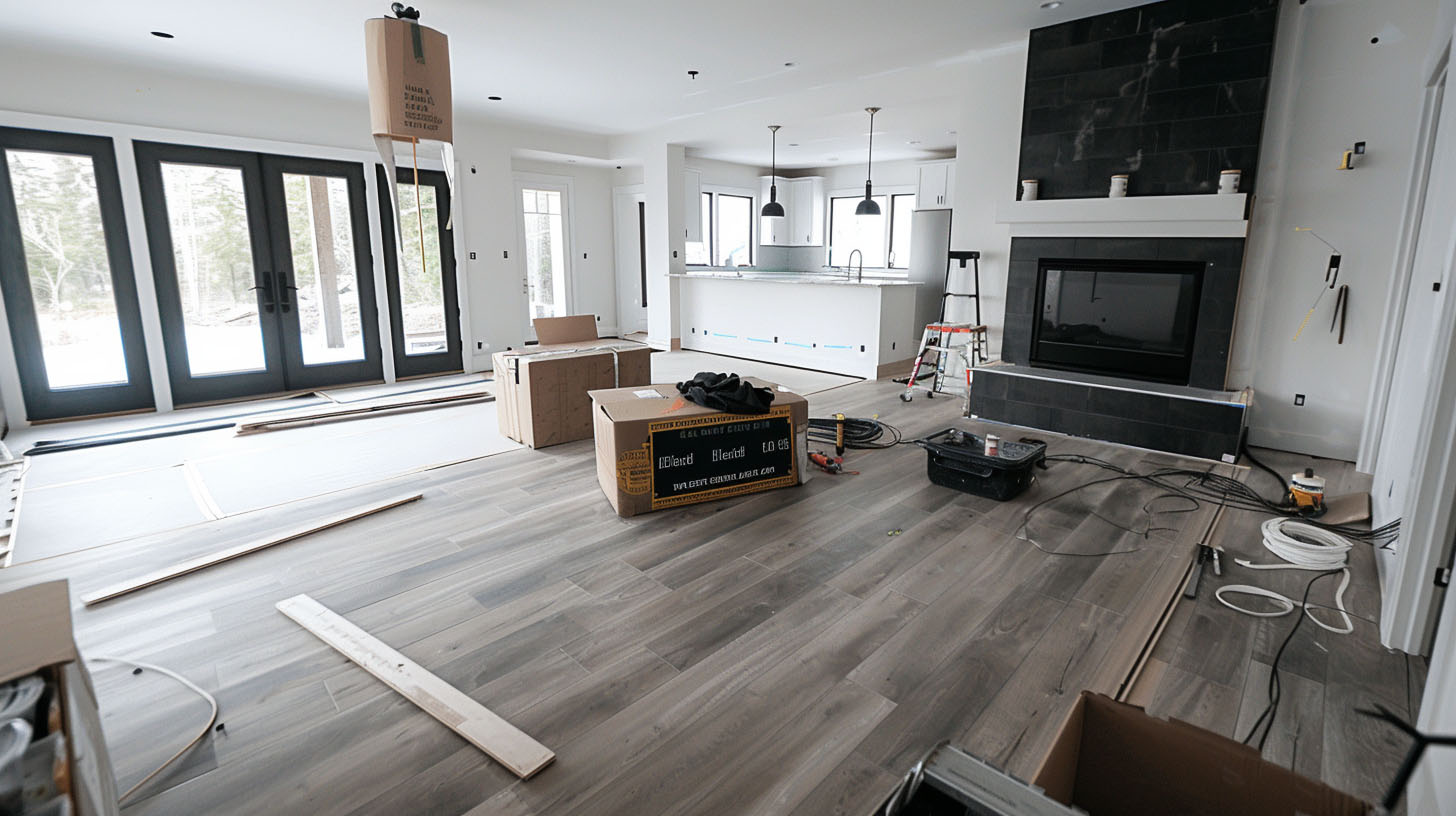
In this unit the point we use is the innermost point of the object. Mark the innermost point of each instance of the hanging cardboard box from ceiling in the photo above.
(409, 80)
(542, 390)
(656, 450)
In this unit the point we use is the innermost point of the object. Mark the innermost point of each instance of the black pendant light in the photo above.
(773, 209)
(868, 206)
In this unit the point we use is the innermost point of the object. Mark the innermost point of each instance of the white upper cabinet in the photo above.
(937, 183)
(693, 205)
(806, 217)
(803, 221)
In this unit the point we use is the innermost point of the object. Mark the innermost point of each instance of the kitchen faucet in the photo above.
(850, 262)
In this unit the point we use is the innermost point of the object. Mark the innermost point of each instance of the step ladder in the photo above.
(937, 339)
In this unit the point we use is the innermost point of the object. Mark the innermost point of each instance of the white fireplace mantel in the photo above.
(1175, 216)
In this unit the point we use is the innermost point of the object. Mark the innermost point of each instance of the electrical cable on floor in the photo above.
(1205, 485)
(1313, 549)
(1248, 454)
(859, 433)
(1276, 689)
(211, 718)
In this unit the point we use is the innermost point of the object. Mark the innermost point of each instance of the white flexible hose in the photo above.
(211, 718)
(1315, 549)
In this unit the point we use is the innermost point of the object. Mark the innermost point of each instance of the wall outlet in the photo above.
(1298, 399)
(472, 256)
(481, 345)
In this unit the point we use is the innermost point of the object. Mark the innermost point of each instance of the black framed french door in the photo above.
(263, 271)
(67, 277)
(424, 302)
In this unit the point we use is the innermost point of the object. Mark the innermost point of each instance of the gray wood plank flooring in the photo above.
(789, 652)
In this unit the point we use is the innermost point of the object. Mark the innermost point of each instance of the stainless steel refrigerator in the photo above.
(929, 252)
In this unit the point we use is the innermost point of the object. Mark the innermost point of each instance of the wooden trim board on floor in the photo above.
(204, 561)
(479, 725)
(319, 417)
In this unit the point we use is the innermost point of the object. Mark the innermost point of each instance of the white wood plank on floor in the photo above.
(479, 726)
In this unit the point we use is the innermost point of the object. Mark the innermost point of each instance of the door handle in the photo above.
(267, 290)
(285, 301)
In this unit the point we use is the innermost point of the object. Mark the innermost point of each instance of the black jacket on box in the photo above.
(726, 392)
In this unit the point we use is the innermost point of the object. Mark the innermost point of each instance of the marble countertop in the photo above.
(814, 278)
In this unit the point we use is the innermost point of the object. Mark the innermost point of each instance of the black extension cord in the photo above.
(859, 433)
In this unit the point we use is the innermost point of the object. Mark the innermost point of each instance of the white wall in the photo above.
(105, 91)
(1330, 88)
(726, 174)
(988, 151)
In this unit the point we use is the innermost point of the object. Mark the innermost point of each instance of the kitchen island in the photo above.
(867, 327)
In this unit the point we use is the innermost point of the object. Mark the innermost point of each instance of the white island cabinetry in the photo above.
(859, 329)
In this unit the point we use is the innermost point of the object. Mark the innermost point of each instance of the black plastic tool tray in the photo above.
(958, 460)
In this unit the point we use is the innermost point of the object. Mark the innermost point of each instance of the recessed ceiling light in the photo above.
(793, 144)
(913, 142)
(571, 161)
(834, 158)
(791, 64)
(1051, 4)
(494, 98)
(951, 132)
(164, 35)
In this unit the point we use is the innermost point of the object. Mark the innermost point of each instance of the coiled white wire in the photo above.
(211, 718)
(1316, 550)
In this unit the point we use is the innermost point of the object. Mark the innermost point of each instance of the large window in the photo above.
(727, 232)
(545, 239)
(733, 238)
(884, 239)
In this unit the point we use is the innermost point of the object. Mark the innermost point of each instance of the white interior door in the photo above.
(1410, 600)
(629, 213)
(544, 210)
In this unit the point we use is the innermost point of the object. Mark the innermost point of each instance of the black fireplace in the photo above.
(1129, 318)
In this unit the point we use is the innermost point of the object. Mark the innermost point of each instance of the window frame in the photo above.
(890, 192)
(717, 231)
(711, 240)
(40, 400)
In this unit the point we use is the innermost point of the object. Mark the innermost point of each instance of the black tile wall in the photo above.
(1170, 93)
(1155, 421)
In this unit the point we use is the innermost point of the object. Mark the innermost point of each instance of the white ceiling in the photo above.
(610, 66)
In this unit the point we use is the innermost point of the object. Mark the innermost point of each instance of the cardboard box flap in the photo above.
(579, 347)
(37, 628)
(553, 331)
(1120, 760)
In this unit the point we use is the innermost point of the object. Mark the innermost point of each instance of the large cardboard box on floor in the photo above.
(657, 450)
(541, 391)
(1112, 758)
(39, 643)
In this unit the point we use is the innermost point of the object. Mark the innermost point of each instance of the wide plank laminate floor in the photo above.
(789, 652)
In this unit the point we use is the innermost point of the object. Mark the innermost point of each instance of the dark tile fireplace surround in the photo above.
(1170, 93)
(1197, 418)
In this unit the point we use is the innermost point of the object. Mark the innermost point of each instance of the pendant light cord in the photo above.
(870, 158)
